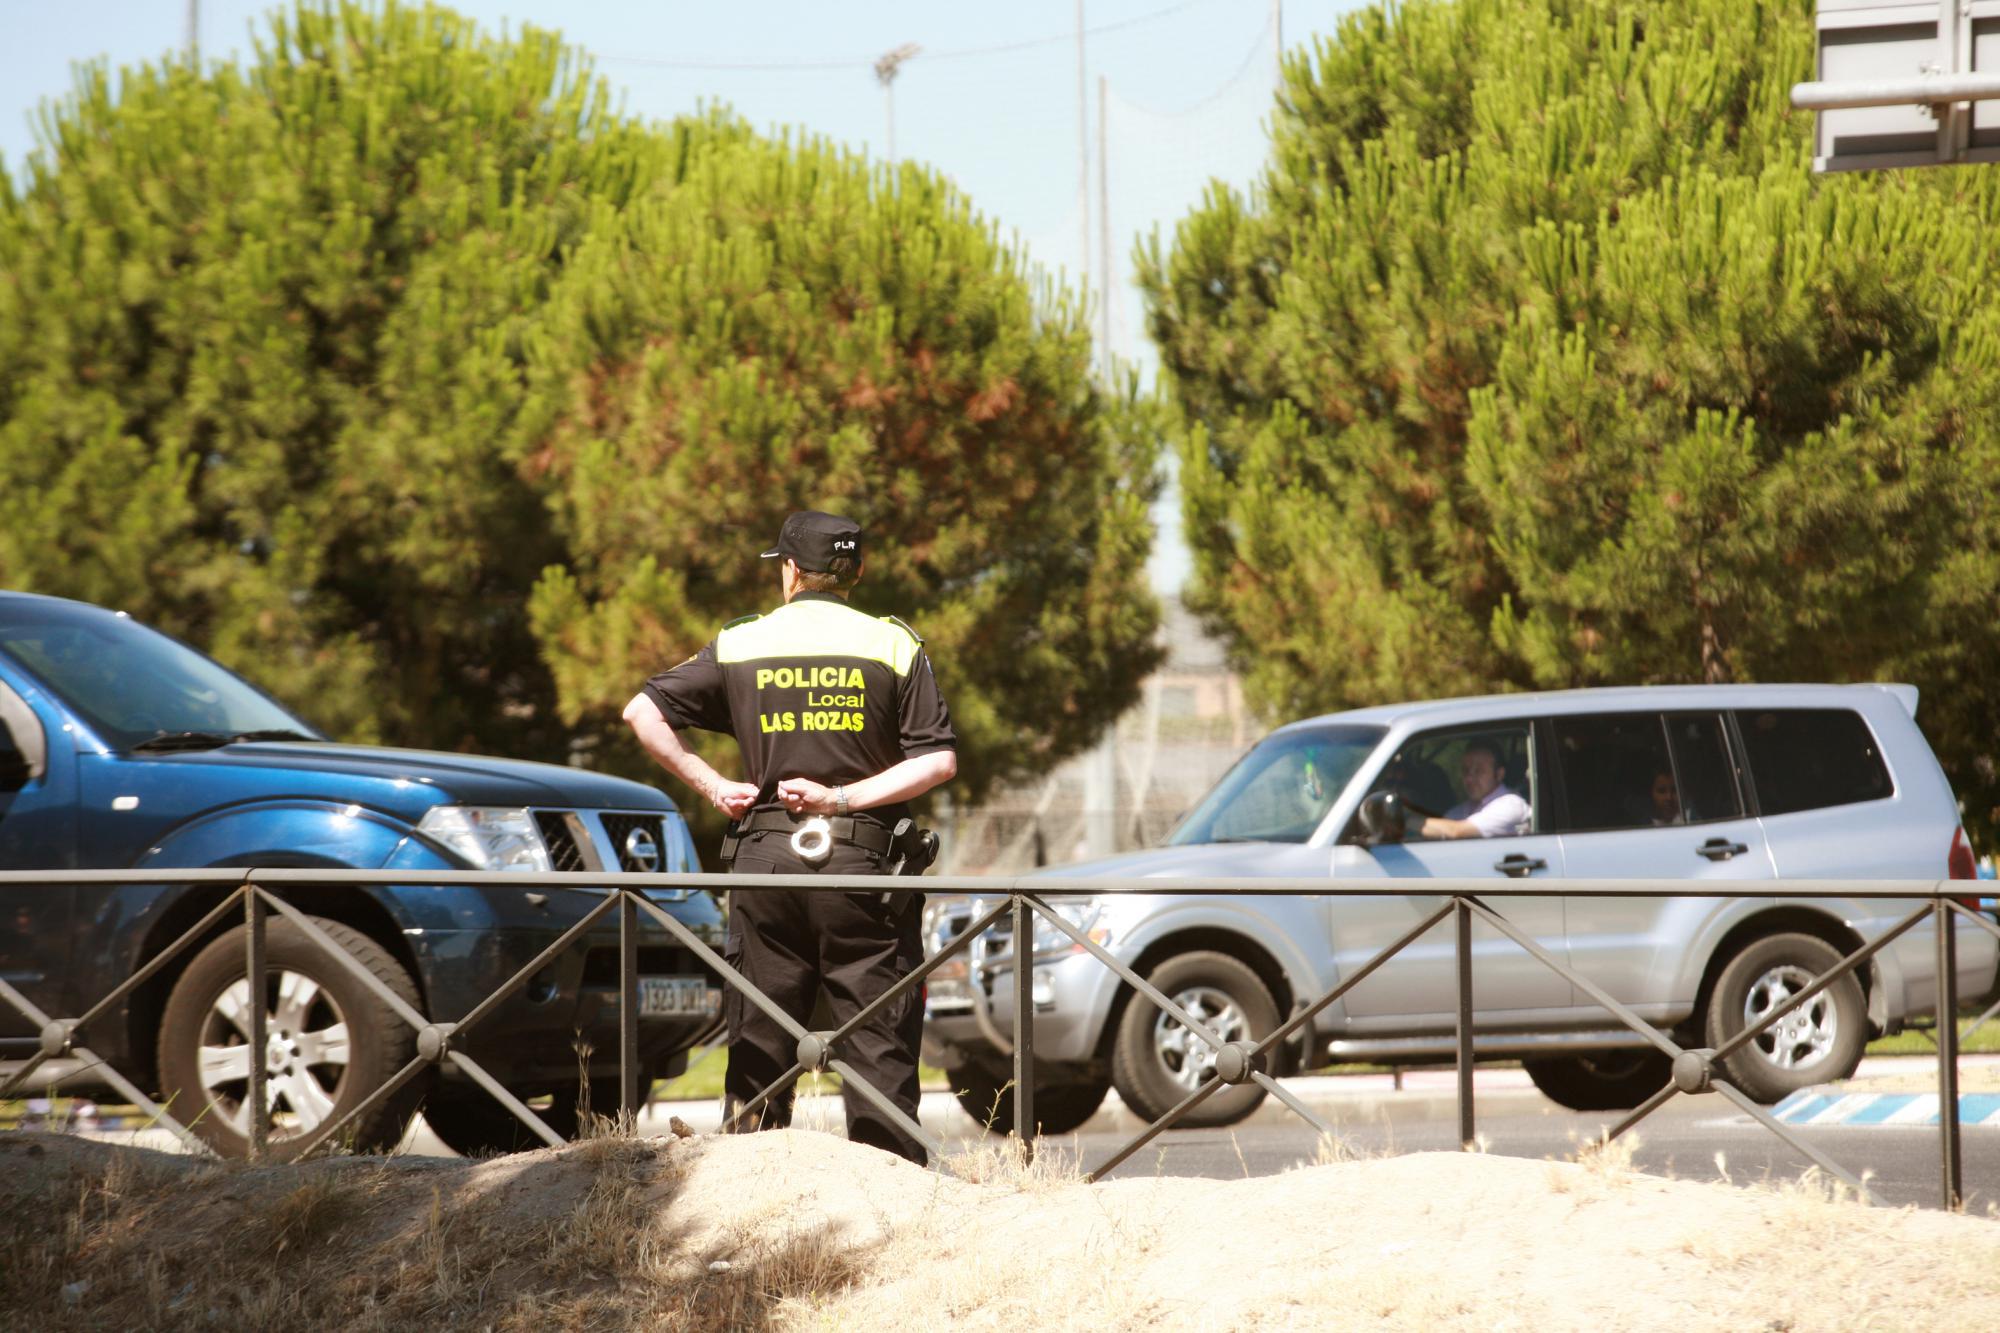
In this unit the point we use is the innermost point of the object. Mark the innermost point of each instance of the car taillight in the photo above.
(1960, 865)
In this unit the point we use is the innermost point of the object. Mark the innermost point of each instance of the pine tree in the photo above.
(261, 327)
(1539, 358)
(322, 361)
(792, 329)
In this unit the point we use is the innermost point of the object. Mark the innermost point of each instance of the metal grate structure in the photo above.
(560, 836)
(1696, 1071)
(631, 856)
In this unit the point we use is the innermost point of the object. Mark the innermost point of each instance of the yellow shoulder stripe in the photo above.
(818, 629)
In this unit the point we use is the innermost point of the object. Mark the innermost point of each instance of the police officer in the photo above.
(838, 716)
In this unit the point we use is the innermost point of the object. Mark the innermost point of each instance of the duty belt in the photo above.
(866, 834)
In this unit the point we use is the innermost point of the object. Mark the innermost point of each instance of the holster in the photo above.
(911, 849)
(732, 838)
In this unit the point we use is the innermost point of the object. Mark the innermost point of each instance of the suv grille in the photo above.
(558, 837)
(995, 941)
(619, 828)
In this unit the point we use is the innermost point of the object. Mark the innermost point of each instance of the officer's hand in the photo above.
(733, 799)
(803, 796)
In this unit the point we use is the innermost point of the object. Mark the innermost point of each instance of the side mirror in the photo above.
(1382, 818)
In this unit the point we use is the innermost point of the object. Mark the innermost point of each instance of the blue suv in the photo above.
(121, 747)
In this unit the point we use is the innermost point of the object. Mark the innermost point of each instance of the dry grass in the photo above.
(799, 1230)
(125, 1238)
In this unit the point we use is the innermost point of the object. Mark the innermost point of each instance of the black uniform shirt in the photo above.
(813, 690)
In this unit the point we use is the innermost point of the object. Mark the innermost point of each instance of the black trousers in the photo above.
(790, 944)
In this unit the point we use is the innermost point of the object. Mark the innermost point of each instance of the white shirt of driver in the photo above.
(1503, 814)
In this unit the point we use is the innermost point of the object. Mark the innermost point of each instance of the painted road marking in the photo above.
(1883, 1108)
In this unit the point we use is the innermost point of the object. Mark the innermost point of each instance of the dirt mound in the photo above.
(802, 1229)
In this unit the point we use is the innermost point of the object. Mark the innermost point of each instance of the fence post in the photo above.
(1947, 1044)
(1463, 915)
(628, 1004)
(1024, 1026)
(255, 979)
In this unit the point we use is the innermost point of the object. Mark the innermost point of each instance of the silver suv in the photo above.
(1751, 782)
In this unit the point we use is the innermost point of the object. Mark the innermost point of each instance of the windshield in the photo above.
(1282, 789)
(133, 684)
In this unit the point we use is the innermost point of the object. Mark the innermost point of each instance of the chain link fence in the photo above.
(1130, 790)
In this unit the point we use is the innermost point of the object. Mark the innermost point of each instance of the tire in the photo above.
(1601, 1080)
(1059, 1108)
(313, 1076)
(1155, 1061)
(470, 1121)
(1820, 1043)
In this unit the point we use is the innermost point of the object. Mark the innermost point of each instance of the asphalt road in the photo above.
(1690, 1138)
(1701, 1138)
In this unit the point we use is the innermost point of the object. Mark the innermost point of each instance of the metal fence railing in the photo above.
(256, 894)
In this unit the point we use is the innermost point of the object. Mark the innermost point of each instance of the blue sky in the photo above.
(991, 99)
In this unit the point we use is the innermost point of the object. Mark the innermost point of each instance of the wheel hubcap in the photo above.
(1187, 1058)
(1804, 1037)
(305, 1055)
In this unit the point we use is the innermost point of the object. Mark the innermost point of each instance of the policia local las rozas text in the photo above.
(809, 679)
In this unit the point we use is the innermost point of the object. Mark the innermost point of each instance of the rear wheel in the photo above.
(1600, 1080)
(1059, 1107)
(1156, 1060)
(1819, 1041)
(329, 1041)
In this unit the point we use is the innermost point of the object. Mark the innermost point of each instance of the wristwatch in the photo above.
(840, 800)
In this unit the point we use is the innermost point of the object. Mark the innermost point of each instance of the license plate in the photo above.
(677, 997)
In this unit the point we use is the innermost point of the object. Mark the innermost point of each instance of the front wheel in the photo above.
(1600, 1080)
(1819, 1041)
(329, 1041)
(1156, 1060)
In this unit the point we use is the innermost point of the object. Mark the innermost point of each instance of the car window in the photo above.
(1702, 765)
(130, 682)
(1617, 772)
(1809, 758)
(1282, 789)
(1429, 771)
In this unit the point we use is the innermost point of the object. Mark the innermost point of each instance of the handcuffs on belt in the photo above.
(812, 841)
(911, 849)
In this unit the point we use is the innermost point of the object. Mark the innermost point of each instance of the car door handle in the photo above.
(1518, 866)
(1720, 849)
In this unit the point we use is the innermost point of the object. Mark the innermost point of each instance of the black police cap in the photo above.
(814, 540)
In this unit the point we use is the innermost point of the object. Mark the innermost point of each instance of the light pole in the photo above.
(885, 73)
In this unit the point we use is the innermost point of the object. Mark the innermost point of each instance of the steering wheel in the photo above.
(1413, 807)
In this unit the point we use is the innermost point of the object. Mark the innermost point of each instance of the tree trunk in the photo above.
(1714, 665)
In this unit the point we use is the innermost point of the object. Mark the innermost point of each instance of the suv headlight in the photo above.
(1083, 913)
(488, 838)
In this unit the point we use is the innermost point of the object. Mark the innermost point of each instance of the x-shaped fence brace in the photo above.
(1695, 1070)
